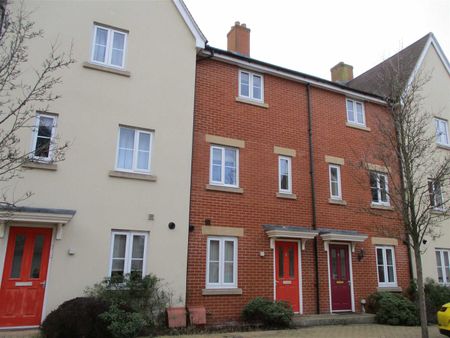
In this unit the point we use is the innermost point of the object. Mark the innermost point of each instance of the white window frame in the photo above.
(441, 124)
(445, 277)
(51, 151)
(289, 165)
(338, 168)
(433, 194)
(109, 46)
(380, 202)
(386, 284)
(221, 284)
(128, 250)
(134, 168)
(250, 84)
(354, 102)
(222, 182)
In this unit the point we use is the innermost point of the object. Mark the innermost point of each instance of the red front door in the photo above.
(341, 299)
(286, 273)
(24, 275)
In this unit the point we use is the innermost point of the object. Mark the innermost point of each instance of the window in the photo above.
(441, 131)
(221, 269)
(379, 188)
(251, 86)
(443, 265)
(436, 197)
(284, 174)
(224, 166)
(43, 137)
(128, 253)
(387, 276)
(335, 182)
(134, 150)
(108, 47)
(355, 112)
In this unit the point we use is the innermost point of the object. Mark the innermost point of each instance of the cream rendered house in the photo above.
(119, 202)
(426, 58)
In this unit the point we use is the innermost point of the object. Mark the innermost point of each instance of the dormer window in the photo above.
(251, 86)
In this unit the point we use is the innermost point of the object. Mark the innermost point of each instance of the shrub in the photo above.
(145, 296)
(393, 309)
(78, 317)
(271, 314)
(436, 295)
(122, 323)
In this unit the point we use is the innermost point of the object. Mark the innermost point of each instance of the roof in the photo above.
(261, 66)
(11, 208)
(200, 39)
(269, 227)
(405, 64)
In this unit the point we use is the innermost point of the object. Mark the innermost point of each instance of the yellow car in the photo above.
(443, 316)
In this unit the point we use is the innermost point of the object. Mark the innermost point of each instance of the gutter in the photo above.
(313, 194)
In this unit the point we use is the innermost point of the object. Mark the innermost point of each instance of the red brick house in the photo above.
(285, 203)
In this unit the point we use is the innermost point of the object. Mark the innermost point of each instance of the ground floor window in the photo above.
(386, 266)
(443, 265)
(128, 253)
(221, 268)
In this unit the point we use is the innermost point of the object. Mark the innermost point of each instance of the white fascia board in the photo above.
(431, 41)
(35, 217)
(343, 237)
(200, 39)
(292, 234)
(268, 70)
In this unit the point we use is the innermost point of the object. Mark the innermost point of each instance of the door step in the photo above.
(19, 333)
(333, 319)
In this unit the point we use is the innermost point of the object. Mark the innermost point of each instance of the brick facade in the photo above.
(283, 123)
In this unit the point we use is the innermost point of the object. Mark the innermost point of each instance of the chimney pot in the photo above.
(239, 39)
(341, 73)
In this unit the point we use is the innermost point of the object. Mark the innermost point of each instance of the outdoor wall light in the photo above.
(360, 254)
(171, 225)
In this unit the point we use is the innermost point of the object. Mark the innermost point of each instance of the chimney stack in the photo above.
(341, 73)
(239, 39)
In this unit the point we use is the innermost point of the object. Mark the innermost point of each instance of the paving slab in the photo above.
(334, 331)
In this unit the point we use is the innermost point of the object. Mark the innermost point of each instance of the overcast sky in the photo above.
(312, 36)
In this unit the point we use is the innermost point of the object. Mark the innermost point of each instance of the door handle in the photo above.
(43, 284)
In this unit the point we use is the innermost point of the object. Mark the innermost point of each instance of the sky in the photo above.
(313, 36)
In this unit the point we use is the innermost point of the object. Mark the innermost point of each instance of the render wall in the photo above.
(158, 95)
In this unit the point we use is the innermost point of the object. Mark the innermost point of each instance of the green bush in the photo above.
(121, 323)
(270, 314)
(436, 295)
(78, 317)
(145, 296)
(393, 309)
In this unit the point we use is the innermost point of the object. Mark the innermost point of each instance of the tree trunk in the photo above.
(421, 292)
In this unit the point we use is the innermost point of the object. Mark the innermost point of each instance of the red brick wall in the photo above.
(284, 123)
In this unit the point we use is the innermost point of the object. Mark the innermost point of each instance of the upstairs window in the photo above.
(43, 137)
(108, 47)
(224, 168)
(285, 174)
(355, 112)
(251, 86)
(441, 131)
(335, 182)
(134, 150)
(379, 188)
(436, 197)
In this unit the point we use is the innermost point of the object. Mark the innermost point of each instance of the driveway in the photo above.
(333, 331)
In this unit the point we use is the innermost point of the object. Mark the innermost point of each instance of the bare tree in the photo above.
(408, 146)
(23, 92)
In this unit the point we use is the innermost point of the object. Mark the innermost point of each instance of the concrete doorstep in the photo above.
(22, 333)
(333, 319)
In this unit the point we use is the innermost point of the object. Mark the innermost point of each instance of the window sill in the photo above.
(221, 292)
(357, 126)
(134, 176)
(224, 189)
(389, 289)
(381, 207)
(286, 195)
(252, 102)
(40, 165)
(336, 201)
(443, 146)
(106, 69)
(438, 211)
